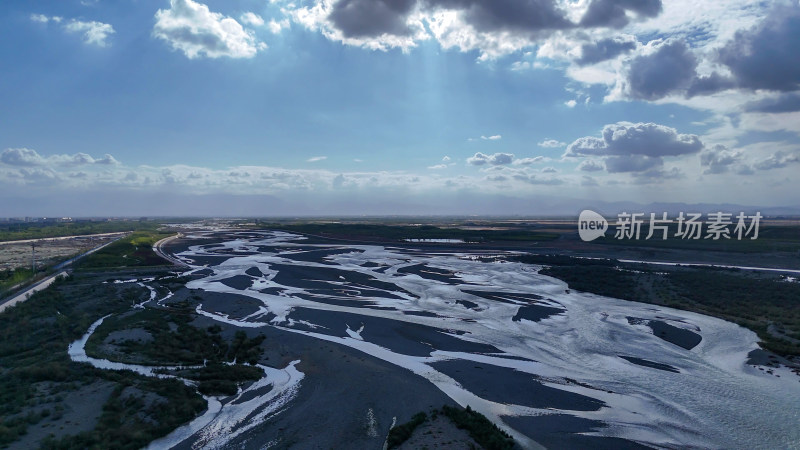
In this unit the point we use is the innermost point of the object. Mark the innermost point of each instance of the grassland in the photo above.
(12, 277)
(135, 250)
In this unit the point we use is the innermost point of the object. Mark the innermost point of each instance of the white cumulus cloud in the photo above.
(94, 32)
(498, 159)
(41, 18)
(253, 19)
(25, 157)
(276, 26)
(197, 31)
(551, 143)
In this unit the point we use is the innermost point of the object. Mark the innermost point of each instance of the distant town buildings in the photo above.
(69, 219)
(36, 219)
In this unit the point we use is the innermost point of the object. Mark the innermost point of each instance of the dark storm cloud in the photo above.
(709, 85)
(372, 18)
(670, 69)
(614, 13)
(780, 104)
(766, 56)
(363, 18)
(605, 49)
(499, 15)
(762, 57)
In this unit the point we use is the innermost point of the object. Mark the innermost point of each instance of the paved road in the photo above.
(160, 252)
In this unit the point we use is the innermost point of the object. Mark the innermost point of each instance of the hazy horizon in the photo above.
(167, 205)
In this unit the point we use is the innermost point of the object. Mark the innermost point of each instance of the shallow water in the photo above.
(709, 397)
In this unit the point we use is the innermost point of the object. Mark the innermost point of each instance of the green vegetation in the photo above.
(36, 230)
(751, 299)
(222, 379)
(401, 433)
(771, 238)
(36, 373)
(174, 340)
(399, 232)
(133, 421)
(185, 346)
(11, 277)
(481, 429)
(37, 377)
(751, 302)
(135, 250)
(599, 280)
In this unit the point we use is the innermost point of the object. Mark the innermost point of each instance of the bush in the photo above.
(401, 433)
(480, 428)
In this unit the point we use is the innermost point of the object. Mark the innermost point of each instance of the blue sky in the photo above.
(404, 106)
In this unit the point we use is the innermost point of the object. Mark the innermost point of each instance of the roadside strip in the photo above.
(21, 297)
(44, 284)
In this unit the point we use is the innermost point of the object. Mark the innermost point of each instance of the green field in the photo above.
(135, 250)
